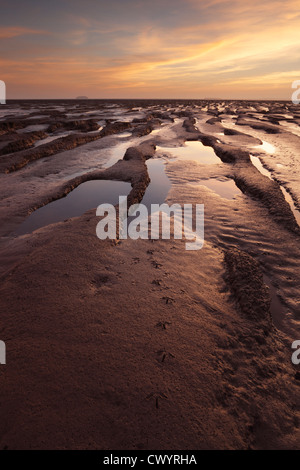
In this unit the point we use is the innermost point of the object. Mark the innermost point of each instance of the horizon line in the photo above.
(147, 99)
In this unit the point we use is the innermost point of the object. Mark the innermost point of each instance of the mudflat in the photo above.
(141, 344)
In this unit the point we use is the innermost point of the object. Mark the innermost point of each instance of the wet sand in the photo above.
(123, 344)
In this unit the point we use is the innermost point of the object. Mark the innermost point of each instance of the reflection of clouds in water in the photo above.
(86, 196)
(193, 150)
(226, 189)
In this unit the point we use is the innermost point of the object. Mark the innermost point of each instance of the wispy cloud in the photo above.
(14, 31)
(174, 46)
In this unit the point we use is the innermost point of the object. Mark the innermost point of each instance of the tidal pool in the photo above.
(124, 134)
(159, 185)
(193, 150)
(257, 163)
(227, 189)
(86, 196)
(266, 147)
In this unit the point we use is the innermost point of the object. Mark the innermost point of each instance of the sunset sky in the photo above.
(150, 48)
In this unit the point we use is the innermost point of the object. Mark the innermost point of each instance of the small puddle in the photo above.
(39, 116)
(95, 132)
(86, 196)
(290, 200)
(33, 128)
(123, 134)
(257, 163)
(116, 153)
(227, 189)
(193, 150)
(159, 185)
(291, 127)
(266, 147)
(156, 131)
(51, 138)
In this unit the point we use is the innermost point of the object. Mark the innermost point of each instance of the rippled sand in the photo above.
(141, 344)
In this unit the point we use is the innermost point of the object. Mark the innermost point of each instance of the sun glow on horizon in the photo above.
(157, 49)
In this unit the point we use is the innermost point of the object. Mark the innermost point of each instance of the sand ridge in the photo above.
(140, 344)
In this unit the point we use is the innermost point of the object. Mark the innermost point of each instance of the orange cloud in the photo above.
(241, 47)
(14, 31)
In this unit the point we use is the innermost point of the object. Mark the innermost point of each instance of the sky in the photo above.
(188, 49)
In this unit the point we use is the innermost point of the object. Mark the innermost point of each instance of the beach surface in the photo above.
(141, 344)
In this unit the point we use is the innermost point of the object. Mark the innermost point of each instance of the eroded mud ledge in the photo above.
(247, 177)
(177, 355)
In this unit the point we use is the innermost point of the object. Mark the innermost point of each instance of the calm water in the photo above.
(160, 184)
(86, 196)
(224, 188)
(257, 163)
(193, 150)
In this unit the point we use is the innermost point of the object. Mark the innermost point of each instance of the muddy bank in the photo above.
(18, 160)
(14, 162)
(19, 142)
(248, 178)
(245, 280)
(87, 125)
(264, 126)
(163, 372)
(140, 344)
(131, 168)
